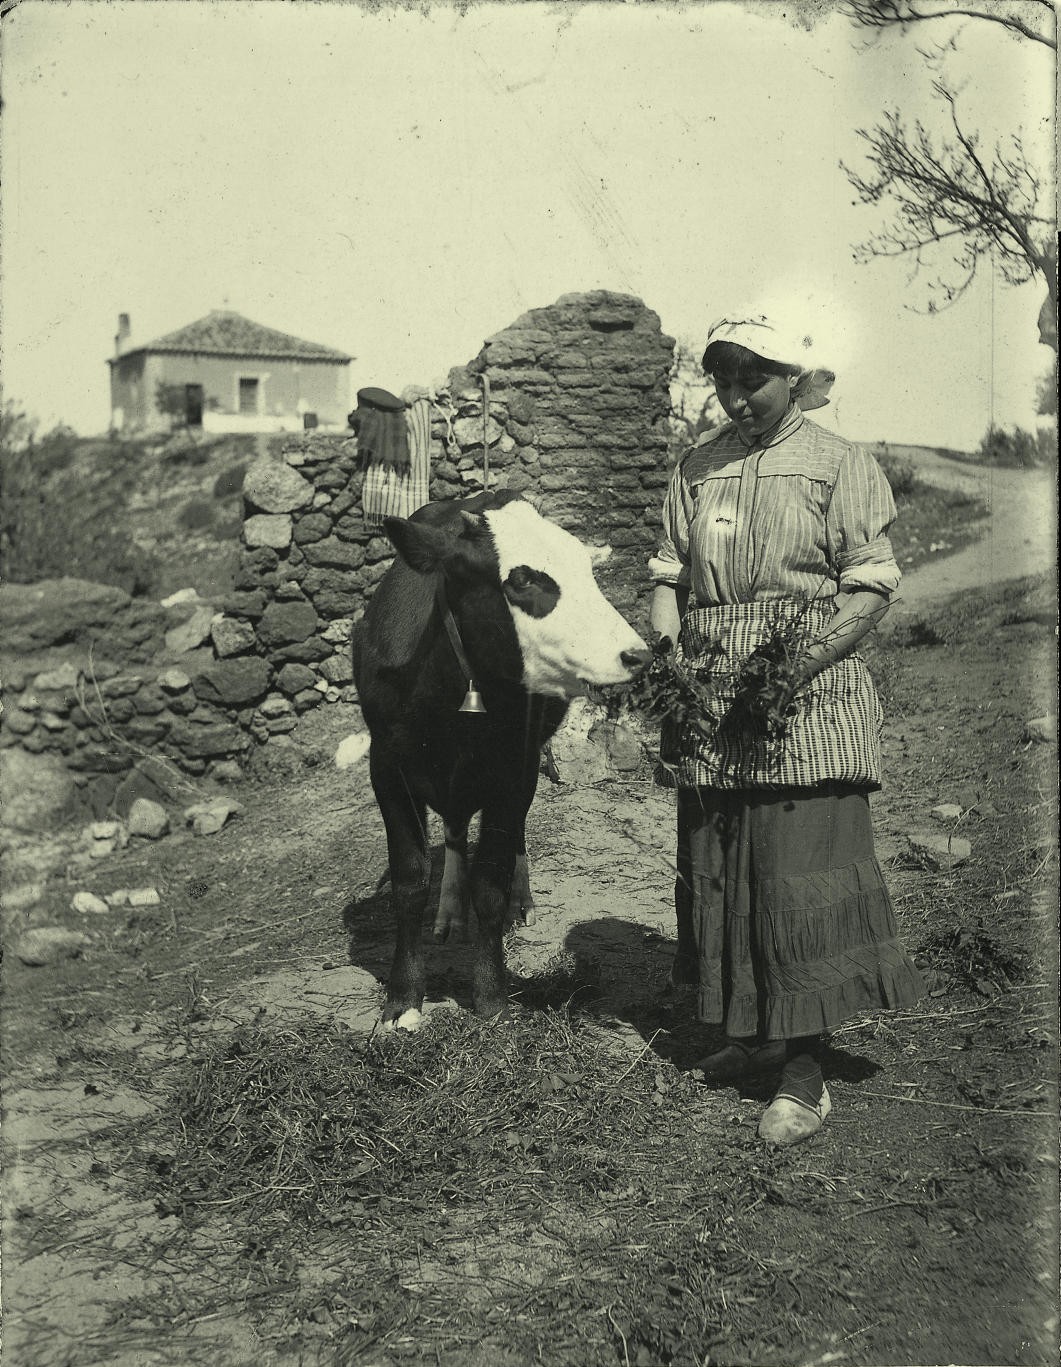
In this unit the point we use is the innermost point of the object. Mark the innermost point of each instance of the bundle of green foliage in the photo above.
(666, 690)
(762, 690)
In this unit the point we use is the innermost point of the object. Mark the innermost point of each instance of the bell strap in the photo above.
(452, 632)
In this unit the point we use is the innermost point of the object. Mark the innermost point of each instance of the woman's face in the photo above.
(755, 402)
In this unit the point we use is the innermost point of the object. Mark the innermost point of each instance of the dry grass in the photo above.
(525, 1184)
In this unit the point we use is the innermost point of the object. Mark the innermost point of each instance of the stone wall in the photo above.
(577, 420)
(113, 687)
(578, 407)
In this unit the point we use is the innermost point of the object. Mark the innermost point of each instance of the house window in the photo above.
(193, 405)
(248, 395)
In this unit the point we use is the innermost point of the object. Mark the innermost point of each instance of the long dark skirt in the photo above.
(784, 920)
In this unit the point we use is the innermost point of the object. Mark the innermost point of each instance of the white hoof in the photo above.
(409, 1020)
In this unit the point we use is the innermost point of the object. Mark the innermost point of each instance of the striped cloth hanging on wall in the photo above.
(388, 492)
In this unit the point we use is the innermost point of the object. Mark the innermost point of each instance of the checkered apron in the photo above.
(833, 735)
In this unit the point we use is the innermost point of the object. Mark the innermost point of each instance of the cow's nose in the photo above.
(636, 659)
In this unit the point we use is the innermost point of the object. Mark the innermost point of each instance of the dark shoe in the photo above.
(736, 1060)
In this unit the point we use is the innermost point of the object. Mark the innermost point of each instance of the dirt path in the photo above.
(1019, 540)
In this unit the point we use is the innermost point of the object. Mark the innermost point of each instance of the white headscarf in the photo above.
(775, 342)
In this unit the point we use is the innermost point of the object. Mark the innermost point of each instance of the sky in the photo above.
(401, 183)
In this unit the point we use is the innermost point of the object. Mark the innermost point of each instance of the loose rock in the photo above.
(1042, 729)
(207, 818)
(88, 904)
(143, 897)
(49, 944)
(22, 897)
(192, 633)
(148, 819)
(940, 851)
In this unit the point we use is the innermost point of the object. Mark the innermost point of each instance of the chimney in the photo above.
(124, 330)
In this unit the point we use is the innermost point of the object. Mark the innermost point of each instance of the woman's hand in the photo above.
(668, 605)
(857, 613)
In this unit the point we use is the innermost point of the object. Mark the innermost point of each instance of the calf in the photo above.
(485, 596)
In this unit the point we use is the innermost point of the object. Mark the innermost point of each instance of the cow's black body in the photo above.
(425, 752)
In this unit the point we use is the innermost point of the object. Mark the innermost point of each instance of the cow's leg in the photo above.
(410, 872)
(521, 899)
(454, 899)
(491, 884)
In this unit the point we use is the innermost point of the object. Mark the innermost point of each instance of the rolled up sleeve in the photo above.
(861, 513)
(670, 564)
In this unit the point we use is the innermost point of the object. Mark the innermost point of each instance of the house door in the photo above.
(193, 405)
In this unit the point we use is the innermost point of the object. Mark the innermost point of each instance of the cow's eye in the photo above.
(521, 577)
(532, 591)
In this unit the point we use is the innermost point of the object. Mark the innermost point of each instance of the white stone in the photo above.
(947, 811)
(144, 897)
(276, 706)
(191, 634)
(118, 898)
(469, 431)
(1041, 729)
(352, 750)
(56, 680)
(272, 486)
(181, 596)
(88, 904)
(338, 632)
(148, 819)
(104, 830)
(174, 681)
(268, 529)
(207, 818)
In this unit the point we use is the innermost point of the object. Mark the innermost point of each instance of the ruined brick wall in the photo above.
(580, 402)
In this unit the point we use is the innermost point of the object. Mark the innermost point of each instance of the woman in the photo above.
(775, 529)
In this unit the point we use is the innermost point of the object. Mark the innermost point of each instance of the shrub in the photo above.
(1012, 449)
(196, 514)
(900, 474)
(46, 531)
(229, 482)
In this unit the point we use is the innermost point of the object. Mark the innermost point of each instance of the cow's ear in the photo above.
(475, 525)
(421, 546)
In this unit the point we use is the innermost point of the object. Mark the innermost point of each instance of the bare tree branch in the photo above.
(882, 14)
(944, 192)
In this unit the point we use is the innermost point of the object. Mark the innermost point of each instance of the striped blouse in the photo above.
(807, 514)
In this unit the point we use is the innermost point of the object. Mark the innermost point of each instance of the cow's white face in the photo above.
(569, 634)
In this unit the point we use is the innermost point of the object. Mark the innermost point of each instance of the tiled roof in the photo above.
(223, 333)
